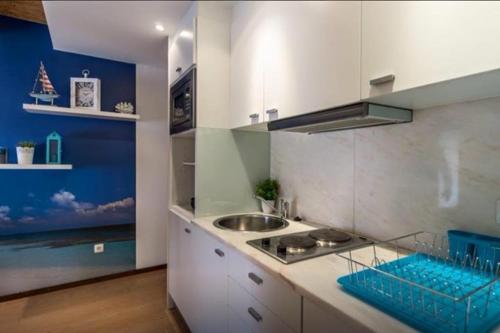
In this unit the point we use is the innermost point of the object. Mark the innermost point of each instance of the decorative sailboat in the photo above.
(47, 93)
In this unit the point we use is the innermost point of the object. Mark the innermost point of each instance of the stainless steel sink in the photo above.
(251, 222)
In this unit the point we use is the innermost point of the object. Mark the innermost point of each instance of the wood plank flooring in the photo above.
(133, 304)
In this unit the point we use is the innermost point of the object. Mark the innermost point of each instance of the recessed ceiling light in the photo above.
(159, 27)
(186, 34)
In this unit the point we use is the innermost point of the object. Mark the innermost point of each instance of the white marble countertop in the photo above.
(315, 279)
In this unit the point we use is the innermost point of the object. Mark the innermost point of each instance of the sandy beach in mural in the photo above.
(39, 260)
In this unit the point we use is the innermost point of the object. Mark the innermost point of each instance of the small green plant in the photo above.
(26, 144)
(268, 189)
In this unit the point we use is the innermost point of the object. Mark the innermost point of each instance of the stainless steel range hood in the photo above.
(341, 118)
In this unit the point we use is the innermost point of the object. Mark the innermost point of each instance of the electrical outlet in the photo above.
(498, 212)
(99, 248)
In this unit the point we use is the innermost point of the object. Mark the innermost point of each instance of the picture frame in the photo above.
(86, 92)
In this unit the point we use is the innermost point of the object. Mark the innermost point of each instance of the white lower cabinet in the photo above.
(274, 293)
(235, 323)
(255, 316)
(180, 264)
(197, 276)
(217, 290)
(317, 320)
(210, 267)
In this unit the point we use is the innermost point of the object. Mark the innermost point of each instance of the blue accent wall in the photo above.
(63, 213)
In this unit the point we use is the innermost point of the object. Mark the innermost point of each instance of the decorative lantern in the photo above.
(53, 148)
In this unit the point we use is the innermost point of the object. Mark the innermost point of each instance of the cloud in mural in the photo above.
(4, 214)
(111, 206)
(26, 219)
(5, 221)
(27, 209)
(68, 200)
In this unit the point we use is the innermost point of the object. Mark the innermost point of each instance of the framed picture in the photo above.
(86, 92)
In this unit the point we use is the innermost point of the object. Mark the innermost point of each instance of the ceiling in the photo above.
(25, 10)
(117, 30)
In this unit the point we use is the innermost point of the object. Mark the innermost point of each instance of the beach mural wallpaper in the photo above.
(51, 219)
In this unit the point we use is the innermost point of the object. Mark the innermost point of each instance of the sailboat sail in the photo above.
(44, 79)
(46, 92)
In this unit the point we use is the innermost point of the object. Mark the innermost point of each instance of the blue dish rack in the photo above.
(434, 284)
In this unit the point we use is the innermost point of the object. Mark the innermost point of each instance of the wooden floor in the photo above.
(133, 304)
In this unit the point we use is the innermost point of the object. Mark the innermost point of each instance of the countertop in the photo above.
(315, 279)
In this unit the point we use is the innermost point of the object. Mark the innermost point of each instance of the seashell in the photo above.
(124, 107)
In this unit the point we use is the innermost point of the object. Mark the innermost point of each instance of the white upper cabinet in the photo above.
(293, 57)
(181, 50)
(424, 42)
(246, 78)
(202, 39)
(311, 58)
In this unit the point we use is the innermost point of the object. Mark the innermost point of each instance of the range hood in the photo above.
(343, 117)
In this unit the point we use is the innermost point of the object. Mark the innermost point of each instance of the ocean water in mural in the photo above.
(48, 238)
(50, 220)
(31, 261)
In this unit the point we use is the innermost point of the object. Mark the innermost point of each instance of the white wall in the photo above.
(152, 153)
(440, 172)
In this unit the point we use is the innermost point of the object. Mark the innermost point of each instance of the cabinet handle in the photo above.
(255, 278)
(220, 253)
(254, 115)
(271, 111)
(382, 80)
(254, 314)
(178, 70)
(187, 230)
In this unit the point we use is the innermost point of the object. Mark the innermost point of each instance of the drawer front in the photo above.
(235, 324)
(251, 312)
(270, 291)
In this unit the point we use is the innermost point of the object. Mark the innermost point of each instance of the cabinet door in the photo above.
(236, 324)
(210, 271)
(312, 58)
(173, 286)
(423, 42)
(181, 267)
(246, 80)
(317, 320)
(181, 53)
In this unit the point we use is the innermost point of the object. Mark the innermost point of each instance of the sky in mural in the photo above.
(62, 210)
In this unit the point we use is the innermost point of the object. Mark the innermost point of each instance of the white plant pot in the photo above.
(25, 155)
(265, 208)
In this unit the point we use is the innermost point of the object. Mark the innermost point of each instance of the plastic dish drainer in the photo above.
(443, 284)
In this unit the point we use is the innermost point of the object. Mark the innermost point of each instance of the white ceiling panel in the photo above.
(118, 30)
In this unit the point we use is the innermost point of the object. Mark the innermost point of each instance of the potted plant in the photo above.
(267, 192)
(25, 151)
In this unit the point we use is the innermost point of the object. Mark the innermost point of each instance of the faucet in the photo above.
(283, 207)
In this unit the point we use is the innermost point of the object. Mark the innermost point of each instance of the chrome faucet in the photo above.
(283, 207)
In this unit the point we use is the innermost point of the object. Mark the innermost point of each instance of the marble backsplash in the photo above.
(440, 172)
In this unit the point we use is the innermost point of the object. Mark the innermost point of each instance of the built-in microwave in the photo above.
(183, 103)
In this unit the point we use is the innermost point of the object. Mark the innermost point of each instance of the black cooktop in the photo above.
(290, 248)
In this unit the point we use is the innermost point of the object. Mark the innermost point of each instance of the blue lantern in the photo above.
(54, 142)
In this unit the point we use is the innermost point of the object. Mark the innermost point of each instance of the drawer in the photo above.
(235, 324)
(280, 298)
(251, 312)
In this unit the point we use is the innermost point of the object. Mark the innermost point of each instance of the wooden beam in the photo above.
(24, 10)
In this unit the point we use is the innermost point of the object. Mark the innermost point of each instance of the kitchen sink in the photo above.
(251, 222)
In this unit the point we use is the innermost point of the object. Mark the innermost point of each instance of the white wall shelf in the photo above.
(75, 112)
(36, 166)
